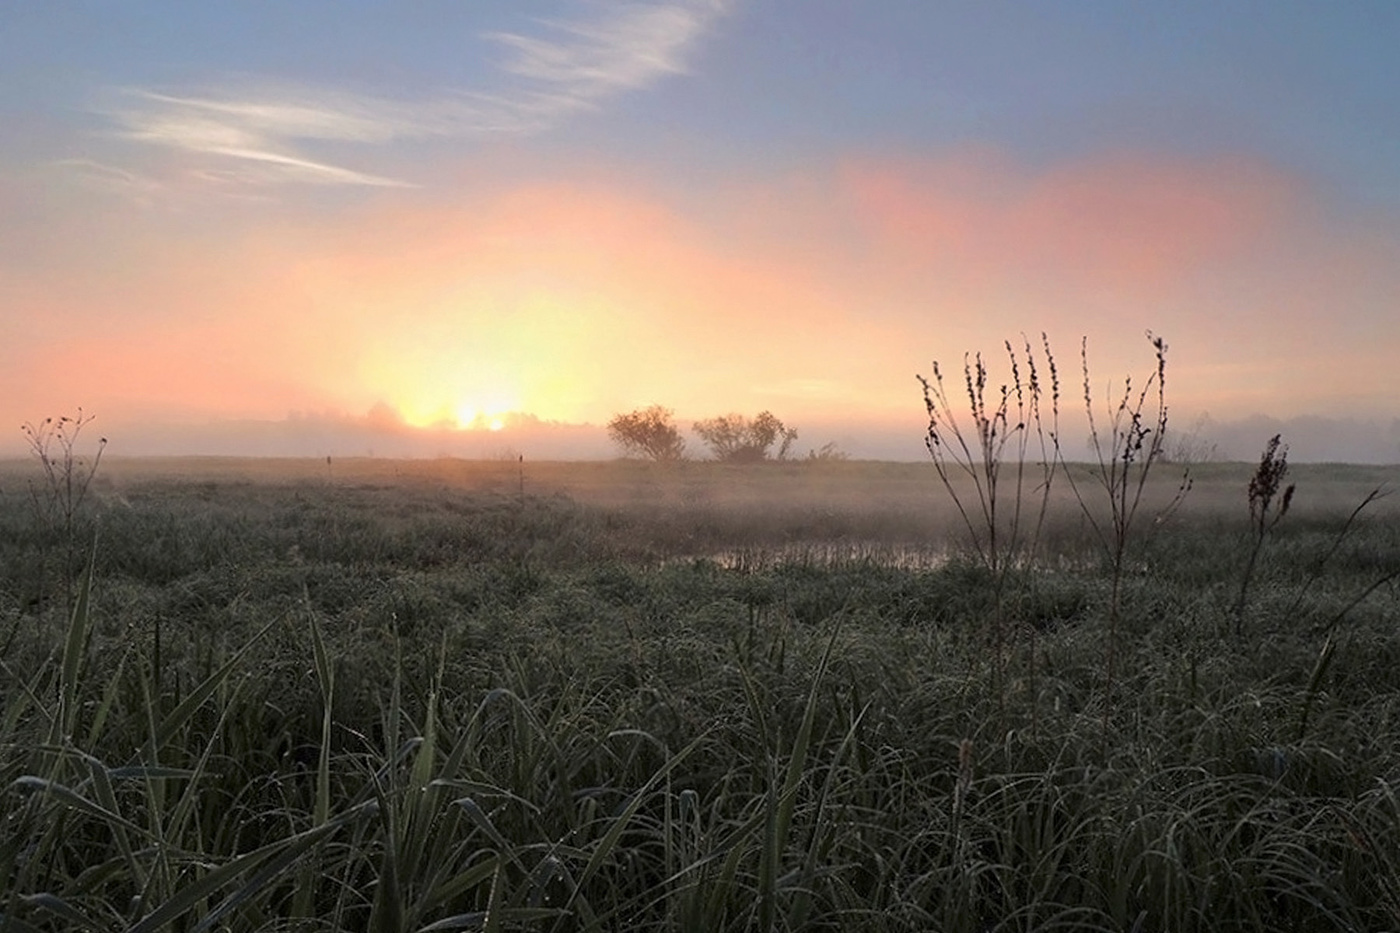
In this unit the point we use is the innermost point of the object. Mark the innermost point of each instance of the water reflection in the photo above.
(827, 554)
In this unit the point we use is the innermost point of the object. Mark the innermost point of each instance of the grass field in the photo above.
(440, 695)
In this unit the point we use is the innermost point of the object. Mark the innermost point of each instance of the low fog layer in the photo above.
(1310, 439)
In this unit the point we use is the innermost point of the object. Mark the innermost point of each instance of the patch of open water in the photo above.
(828, 554)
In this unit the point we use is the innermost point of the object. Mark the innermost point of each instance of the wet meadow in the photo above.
(446, 695)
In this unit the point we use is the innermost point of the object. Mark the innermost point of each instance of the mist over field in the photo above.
(1310, 439)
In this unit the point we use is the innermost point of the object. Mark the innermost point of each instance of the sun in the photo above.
(466, 414)
(478, 414)
(446, 394)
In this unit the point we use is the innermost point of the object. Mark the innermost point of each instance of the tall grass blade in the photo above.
(325, 679)
(181, 714)
(74, 918)
(74, 652)
(608, 843)
(68, 797)
(1319, 671)
(781, 807)
(262, 865)
(9, 923)
(303, 902)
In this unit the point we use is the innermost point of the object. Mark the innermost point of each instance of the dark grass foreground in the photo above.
(413, 707)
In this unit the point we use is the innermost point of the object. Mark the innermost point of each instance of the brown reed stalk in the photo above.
(997, 453)
(1264, 488)
(57, 499)
(1125, 451)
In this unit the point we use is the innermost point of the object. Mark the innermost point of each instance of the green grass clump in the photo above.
(417, 707)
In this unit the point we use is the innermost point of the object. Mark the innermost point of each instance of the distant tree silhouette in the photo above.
(736, 439)
(648, 432)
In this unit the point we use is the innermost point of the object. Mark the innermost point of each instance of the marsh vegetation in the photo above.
(438, 695)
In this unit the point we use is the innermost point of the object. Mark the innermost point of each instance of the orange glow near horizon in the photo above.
(816, 297)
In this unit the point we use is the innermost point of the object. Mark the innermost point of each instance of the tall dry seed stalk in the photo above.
(1126, 448)
(58, 497)
(1264, 488)
(1006, 455)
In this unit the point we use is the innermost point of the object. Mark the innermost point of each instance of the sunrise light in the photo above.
(453, 224)
(477, 417)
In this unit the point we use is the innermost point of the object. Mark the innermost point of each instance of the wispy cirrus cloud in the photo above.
(563, 67)
(629, 48)
(260, 134)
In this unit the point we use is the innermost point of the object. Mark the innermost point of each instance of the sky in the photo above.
(490, 225)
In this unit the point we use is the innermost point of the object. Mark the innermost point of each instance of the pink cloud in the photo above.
(816, 292)
(1139, 221)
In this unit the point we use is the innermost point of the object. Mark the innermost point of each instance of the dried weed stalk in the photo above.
(1125, 449)
(1006, 455)
(1264, 488)
(66, 476)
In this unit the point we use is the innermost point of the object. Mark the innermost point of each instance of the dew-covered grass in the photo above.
(446, 696)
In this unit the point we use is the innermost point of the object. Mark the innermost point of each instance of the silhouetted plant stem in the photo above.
(58, 499)
(1124, 455)
(1004, 428)
(1373, 496)
(1263, 488)
(1336, 620)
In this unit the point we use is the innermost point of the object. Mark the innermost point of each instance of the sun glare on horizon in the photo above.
(471, 417)
(449, 401)
(465, 418)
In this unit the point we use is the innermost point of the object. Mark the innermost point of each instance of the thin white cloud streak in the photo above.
(575, 66)
(317, 172)
(133, 185)
(629, 49)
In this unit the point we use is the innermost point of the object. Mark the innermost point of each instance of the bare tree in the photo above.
(648, 432)
(1193, 446)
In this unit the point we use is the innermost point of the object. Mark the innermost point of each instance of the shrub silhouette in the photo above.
(736, 439)
(648, 432)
